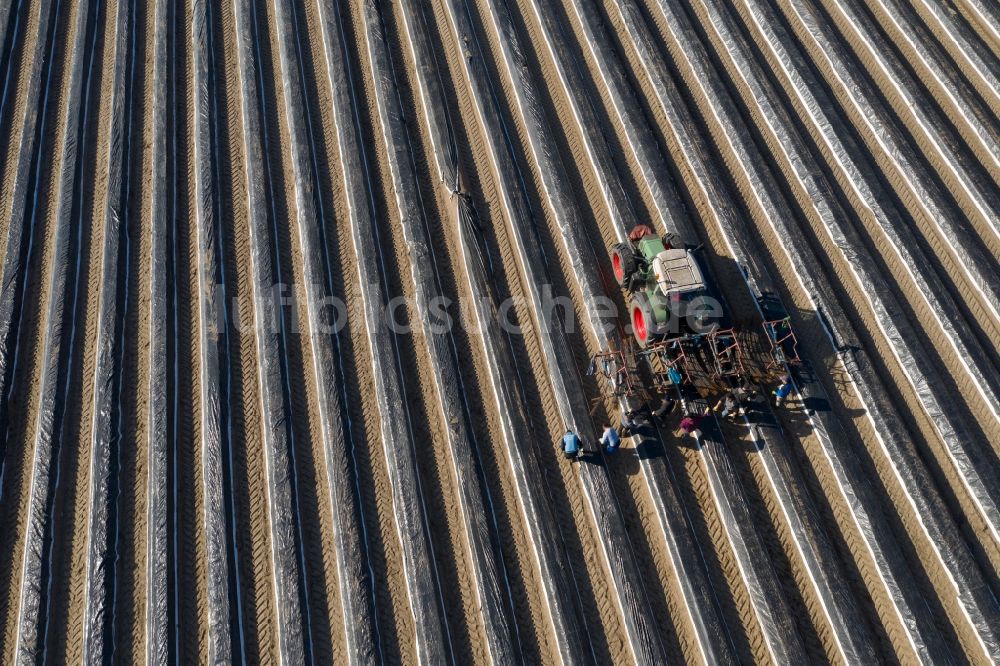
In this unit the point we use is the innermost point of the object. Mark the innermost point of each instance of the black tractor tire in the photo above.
(623, 262)
(670, 239)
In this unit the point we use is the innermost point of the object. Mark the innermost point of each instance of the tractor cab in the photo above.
(664, 286)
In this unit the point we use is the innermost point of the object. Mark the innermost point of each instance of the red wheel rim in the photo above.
(639, 324)
(616, 263)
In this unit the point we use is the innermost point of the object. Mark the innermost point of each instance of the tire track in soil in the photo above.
(261, 424)
(459, 585)
(829, 213)
(187, 550)
(631, 494)
(18, 38)
(892, 72)
(21, 299)
(629, 592)
(918, 265)
(590, 145)
(24, 177)
(371, 483)
(152, 634)
(11, 29)
(791, 551)
(899, 155)
(970, 53)
(491, 423)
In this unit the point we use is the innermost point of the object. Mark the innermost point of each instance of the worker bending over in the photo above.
(570, 445)
(610, 439)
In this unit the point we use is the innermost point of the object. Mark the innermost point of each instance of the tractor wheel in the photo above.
(623, 262)
(642, 319)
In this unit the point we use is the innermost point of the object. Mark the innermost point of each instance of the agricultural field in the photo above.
(299, 298)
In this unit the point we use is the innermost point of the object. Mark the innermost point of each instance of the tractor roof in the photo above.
(677, 271)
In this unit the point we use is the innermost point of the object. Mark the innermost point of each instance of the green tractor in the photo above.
(665, 289)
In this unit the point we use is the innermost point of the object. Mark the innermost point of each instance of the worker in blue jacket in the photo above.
(782, 392)
(570, 445)
(610, 439)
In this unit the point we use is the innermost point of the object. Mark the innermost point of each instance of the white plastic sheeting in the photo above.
(495, 601)
(963, 44)
(711, 181)
(222, 564)
(36, 563)
(880, 123)
(15, 278)
(105, 435)
(357, 599)
(964, 101)
(974, 185)
(977, 471)
(420, 567)
(734, 134)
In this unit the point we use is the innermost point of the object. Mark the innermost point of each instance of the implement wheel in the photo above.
(623, 262)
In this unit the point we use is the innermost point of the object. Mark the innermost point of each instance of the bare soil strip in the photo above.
(967, 179)
(942, 79)
(156, 627)
(225, 619)
(707, 177)
(973, 590)
(283, 613)
(976, 471)
(26, 173)
(970, 52)
(984, 15)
